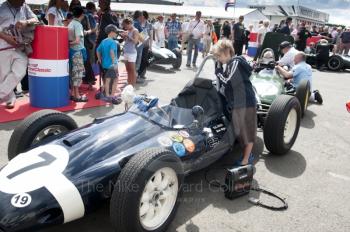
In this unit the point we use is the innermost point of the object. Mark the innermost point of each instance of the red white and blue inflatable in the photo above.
(48, 68)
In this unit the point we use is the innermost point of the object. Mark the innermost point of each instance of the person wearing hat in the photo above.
(107, 56)
(301, 71)
(289, 53)
(159, 31)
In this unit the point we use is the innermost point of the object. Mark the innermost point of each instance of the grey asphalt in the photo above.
(314, 177)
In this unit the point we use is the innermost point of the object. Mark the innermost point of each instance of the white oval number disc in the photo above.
(21, 200)
(42, 167)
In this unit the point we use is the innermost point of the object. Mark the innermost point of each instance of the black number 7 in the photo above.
(48, 159)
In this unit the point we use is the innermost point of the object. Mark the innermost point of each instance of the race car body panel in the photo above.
(62, 180)
(268, 85)
(164, 56)
(56, 182)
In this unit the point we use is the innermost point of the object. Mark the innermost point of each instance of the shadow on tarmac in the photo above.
(161, 69)
(291, 165)
(308, 120)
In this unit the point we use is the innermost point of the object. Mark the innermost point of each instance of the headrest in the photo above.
(203, 83)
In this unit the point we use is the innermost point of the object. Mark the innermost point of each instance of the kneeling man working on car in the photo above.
(299, 72)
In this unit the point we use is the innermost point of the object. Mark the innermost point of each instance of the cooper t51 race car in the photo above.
(137, 160)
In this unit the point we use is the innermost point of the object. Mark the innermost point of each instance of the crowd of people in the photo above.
(93, 40)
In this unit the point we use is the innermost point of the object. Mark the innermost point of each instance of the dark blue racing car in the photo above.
(138, 159)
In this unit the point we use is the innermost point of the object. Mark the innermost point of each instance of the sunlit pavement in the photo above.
(314, 177)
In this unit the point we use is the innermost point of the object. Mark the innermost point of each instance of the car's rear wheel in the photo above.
(178, 62)
(38, 127)
(282, 124)
(335, 63)
(146, 192)
(303, 94)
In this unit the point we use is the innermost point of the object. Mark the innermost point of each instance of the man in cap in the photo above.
(299, 72)
(17, 15)
(289, 53)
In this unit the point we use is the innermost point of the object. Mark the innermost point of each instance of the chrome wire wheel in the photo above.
(49, 131)
(158, 198)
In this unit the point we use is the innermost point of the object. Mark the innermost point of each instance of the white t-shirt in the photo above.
(58, 16)
(196, 28)
(262, 31)
(288, 58)
(185, 26)
(159, 30)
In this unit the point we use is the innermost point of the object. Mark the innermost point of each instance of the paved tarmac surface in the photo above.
(314, 177)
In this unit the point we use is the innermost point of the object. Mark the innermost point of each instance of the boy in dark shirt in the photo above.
(235, 86)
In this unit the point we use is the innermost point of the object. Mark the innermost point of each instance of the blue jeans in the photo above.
(192, 42)
(172, 42)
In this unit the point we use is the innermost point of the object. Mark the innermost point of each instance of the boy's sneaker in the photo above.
(318, 97)
(250, 160)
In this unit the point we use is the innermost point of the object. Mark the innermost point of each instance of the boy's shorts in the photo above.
(111, 73)
(244, 122)
(77, 69)
(130, 57)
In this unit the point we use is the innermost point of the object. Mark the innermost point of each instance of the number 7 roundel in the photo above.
(42, 167)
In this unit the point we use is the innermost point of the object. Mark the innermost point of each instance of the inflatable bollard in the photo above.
(48, 68)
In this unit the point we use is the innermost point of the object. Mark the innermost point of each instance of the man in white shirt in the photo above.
(159, 30)
(289, 53)
(196, 30)
(13, 62)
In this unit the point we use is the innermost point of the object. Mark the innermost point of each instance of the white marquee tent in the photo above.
(251, 15)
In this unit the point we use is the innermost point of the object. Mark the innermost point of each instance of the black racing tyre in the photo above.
(335, 63)
(177, 64)
(37, 127)
(303, 92)
(282, 124)
(146, 192)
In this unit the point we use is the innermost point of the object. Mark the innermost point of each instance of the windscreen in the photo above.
(168, 115)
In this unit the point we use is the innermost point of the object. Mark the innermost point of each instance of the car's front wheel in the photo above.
(282, 124)
(146, 192)
(37, 128)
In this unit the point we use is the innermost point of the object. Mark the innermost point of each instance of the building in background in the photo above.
(276, 13)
